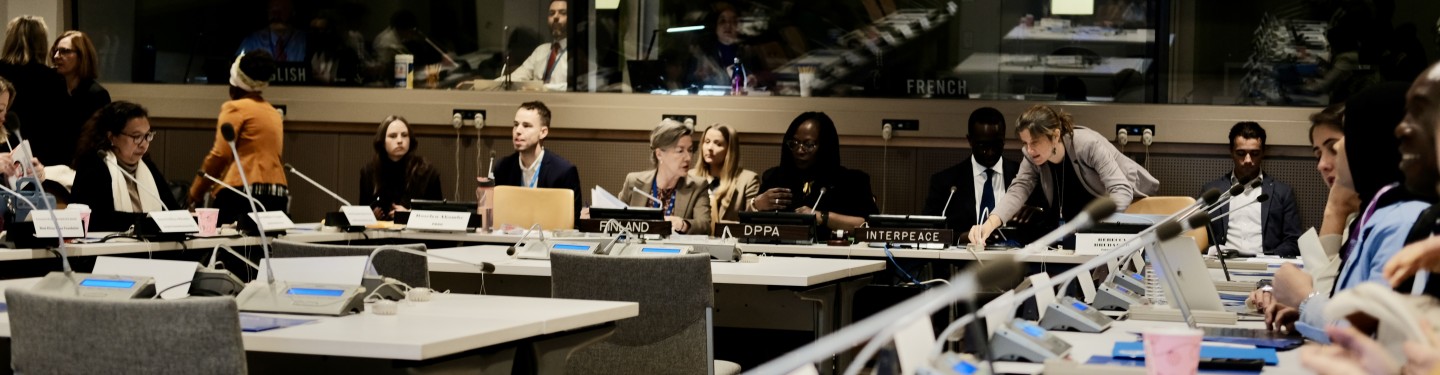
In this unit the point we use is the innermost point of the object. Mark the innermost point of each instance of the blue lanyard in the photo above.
(535, 179)
(655, 191)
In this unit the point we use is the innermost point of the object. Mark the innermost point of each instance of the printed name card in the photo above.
(272, 220)
(358, 216)
(660, 227)
(764, 232)
(69, 222)
(179, 221)
(1098, 243)
(882, 235)
(438, 220)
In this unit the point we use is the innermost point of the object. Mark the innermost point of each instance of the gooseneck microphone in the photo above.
(317, 185)
(816, 206)
(485, 267)
(59, 234)
(228, 132)
(232, 189)
(1097, 210)
(138, 186)
(1260, 199)
(490, 169)
(947, 201)
(12, 123)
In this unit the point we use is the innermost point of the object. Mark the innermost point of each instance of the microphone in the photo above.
(1259, 199)
(485, 267)
(647, 195)
(228, 132)
(231, 189)
(816, 206)
(156, 194)
(317, 185)
(1206, 199)
(12, 124)
(947, 202)
(1097, 210)
(490, 168)
(1234, 192)
(59, 234)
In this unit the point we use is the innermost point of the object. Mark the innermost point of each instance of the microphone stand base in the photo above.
(96, 286)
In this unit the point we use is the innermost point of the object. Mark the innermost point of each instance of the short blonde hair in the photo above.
(25, 41)
(667, 133)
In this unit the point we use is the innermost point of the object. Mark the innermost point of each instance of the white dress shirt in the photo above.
(997, 184)
(1245, 231)
(533, 69)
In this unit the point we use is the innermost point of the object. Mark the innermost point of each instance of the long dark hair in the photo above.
(415, 165)
(827, 157)
(109, 120)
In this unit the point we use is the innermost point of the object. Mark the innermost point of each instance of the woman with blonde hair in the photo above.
(23, 60)
(732, 187)
(669, 187)
(73, 55)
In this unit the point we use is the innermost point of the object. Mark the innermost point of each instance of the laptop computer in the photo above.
(1189, 287)
(646, 75)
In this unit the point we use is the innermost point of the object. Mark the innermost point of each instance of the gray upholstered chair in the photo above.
(67, 335)
(410, 269)
(671, 335)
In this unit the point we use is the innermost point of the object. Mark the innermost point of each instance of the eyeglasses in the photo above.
(680, 150)
(141, 138)
(801, 146)
(65, 51)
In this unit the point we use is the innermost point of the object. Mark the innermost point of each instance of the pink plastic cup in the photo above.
(208, 219)
(1172, 351)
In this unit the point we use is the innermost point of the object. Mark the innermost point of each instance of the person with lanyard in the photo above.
(684, 199)
(547, 62)
(532, 165)
(1071, 165)
(114, 175)
(259, 139)
(810, 179)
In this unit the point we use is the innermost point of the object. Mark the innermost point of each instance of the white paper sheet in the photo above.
(167, 273)
(318, 270)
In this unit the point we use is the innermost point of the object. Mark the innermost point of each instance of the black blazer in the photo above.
(92, 187)
(847, 190)
(555, 173)
(1279, 217)
(425, 186)
(961, 215)
(39, 105)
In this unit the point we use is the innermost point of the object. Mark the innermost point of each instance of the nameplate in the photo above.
(450, 221)
(940, 236)
(764, 232)
(272, 220)
(69, 221)
(358, 216)
(609, 226)
(1098, 243)
(179, 221)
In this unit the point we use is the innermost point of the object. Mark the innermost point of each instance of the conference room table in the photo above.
(1085, 346)
(451, 330)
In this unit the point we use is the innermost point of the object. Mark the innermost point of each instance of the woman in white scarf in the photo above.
(112, 173)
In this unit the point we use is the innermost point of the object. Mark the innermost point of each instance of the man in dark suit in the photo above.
(1271, 227)
(531, 165)
(980, 181)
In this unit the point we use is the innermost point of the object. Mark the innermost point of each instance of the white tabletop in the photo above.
(773, 271)
(448, 324)
(1086, 345)
(1082, 34)
(130, 246)
(952, 253)
(993, 63)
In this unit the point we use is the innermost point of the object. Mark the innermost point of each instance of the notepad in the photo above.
(261, 323)
(1136, 349)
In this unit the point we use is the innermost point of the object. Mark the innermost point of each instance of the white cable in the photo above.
(457, 165)
(215, 251)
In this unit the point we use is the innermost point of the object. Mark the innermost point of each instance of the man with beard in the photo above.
(1271, 227)
(532, 165)
(547, 63)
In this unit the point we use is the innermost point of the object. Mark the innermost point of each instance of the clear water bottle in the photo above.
(1154, 291)
(737, 78)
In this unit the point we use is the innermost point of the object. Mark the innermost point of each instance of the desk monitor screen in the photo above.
(646, 75)
(1072, 7)
(660, 250)
(1079, 305)
(434, 205)
(571, 247)
(631, 213)
(906, 221)
(100, 283)
(777, 218)
(313, 292)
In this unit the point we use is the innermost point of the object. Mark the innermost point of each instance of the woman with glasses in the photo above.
(113, 173)
(732, 187)
(1070, 165)
(810, 179)
(396, 174)
(73, 55)
(685, 200)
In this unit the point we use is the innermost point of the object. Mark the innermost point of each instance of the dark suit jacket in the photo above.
(1279, 216)
(38, 104)
(92, 187)
(555, 172)
(961, 215)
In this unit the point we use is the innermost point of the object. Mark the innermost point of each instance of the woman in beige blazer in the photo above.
(731, 186)
(685, 200)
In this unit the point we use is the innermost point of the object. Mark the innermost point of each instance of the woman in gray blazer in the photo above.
(1072, 165)
(685, 200)
(732, 187)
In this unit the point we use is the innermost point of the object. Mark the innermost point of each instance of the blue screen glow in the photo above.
(561, 246)
(661, 250)
(1122, 289)
(964, 368)
(1079, 305)
(1135, 276)
(1033, 330)
(100, 283)
(315, 292)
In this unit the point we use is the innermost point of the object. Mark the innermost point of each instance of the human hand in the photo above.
(677, 224)
(1292, 285)
(1260, 299)
(1279, 317)
(979, 233)
(773, 199)
(1421, 359)
(1422, 255)
(1356, 346)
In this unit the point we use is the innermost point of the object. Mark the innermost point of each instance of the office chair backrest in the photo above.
(553, 209)
(669, 335)
(72, 335)
(410, 269)
(1167, 206)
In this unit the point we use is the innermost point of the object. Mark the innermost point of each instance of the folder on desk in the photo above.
(1136, 350)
